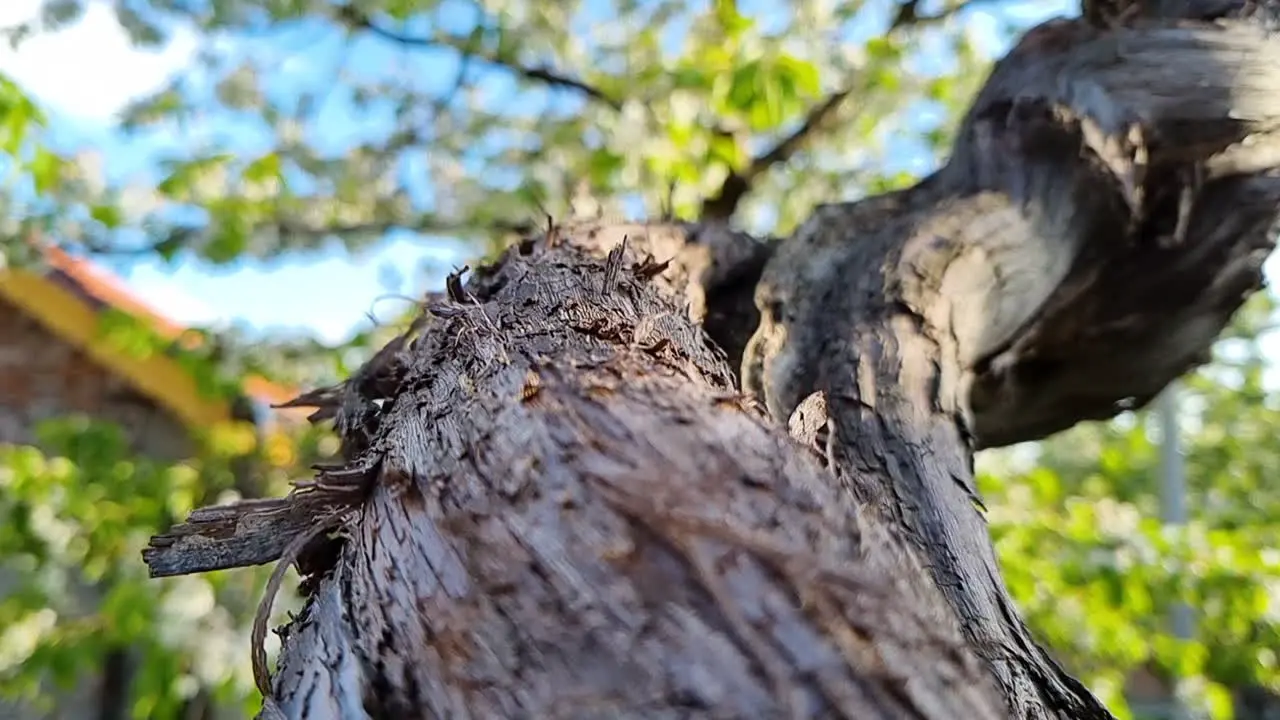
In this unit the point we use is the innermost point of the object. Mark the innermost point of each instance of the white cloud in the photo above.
(168, 297)
(89, 70)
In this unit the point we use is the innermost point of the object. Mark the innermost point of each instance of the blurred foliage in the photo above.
(24, 161)
(1076, 520)
(73, 521)
(310, 121)
(467, 118)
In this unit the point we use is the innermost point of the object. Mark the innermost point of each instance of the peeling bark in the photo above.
(555, 502)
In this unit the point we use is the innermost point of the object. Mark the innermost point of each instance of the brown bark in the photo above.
(574, 514)
(555, 503)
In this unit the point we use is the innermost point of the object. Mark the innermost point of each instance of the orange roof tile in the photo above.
(97, 288)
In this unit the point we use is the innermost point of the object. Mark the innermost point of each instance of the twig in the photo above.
(261, 676)
(468, 54)
(907, 17)
(355, 18)
(299, 232)
(739, 183)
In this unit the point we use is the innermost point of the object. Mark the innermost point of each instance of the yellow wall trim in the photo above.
(160, 378)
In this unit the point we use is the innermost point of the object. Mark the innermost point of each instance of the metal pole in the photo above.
(1173, 503)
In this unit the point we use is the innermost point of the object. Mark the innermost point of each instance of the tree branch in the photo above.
(564, 500)
(426, 224)
(740, 182)
(294, 233)
(1100, 218)
(907, 15)
(594, 521)
(356, 19)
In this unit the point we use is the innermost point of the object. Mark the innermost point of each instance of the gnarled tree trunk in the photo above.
(556, 503)
(1109, 203)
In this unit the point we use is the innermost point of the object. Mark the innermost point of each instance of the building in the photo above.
(55, 362)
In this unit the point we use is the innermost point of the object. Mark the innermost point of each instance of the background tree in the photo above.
(1077, 525)
(475, 116)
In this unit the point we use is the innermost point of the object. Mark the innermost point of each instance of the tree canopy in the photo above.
(351, 120)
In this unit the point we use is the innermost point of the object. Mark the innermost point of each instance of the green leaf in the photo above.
(109, 215)
(744, 87)
(731, 22)
(46, 171)
(690, 78)
(604, 165)
(1219, 701)
(263, 169)
(803, 75)
(229, 237)
(727, 150)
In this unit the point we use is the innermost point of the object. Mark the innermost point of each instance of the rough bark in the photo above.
(554, 502)
(574, 514)
(1108, 204)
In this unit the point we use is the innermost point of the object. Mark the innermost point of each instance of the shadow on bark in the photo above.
(556, 502)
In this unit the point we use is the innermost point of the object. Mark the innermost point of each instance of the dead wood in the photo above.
(576, 515)
(1107, 206)
(561, 506)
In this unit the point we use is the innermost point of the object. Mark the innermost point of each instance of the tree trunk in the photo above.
(555, 502)
(573, 513)
(1108, 204)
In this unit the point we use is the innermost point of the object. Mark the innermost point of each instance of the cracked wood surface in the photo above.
(576, 515)
(563, 508)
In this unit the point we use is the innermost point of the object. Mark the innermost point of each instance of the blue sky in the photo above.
(82, 99)
(326, 293)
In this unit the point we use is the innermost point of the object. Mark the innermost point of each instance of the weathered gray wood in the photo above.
(1108, 205)
(710, 268)
(245, 533)
(578, 516)
(565, 508)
